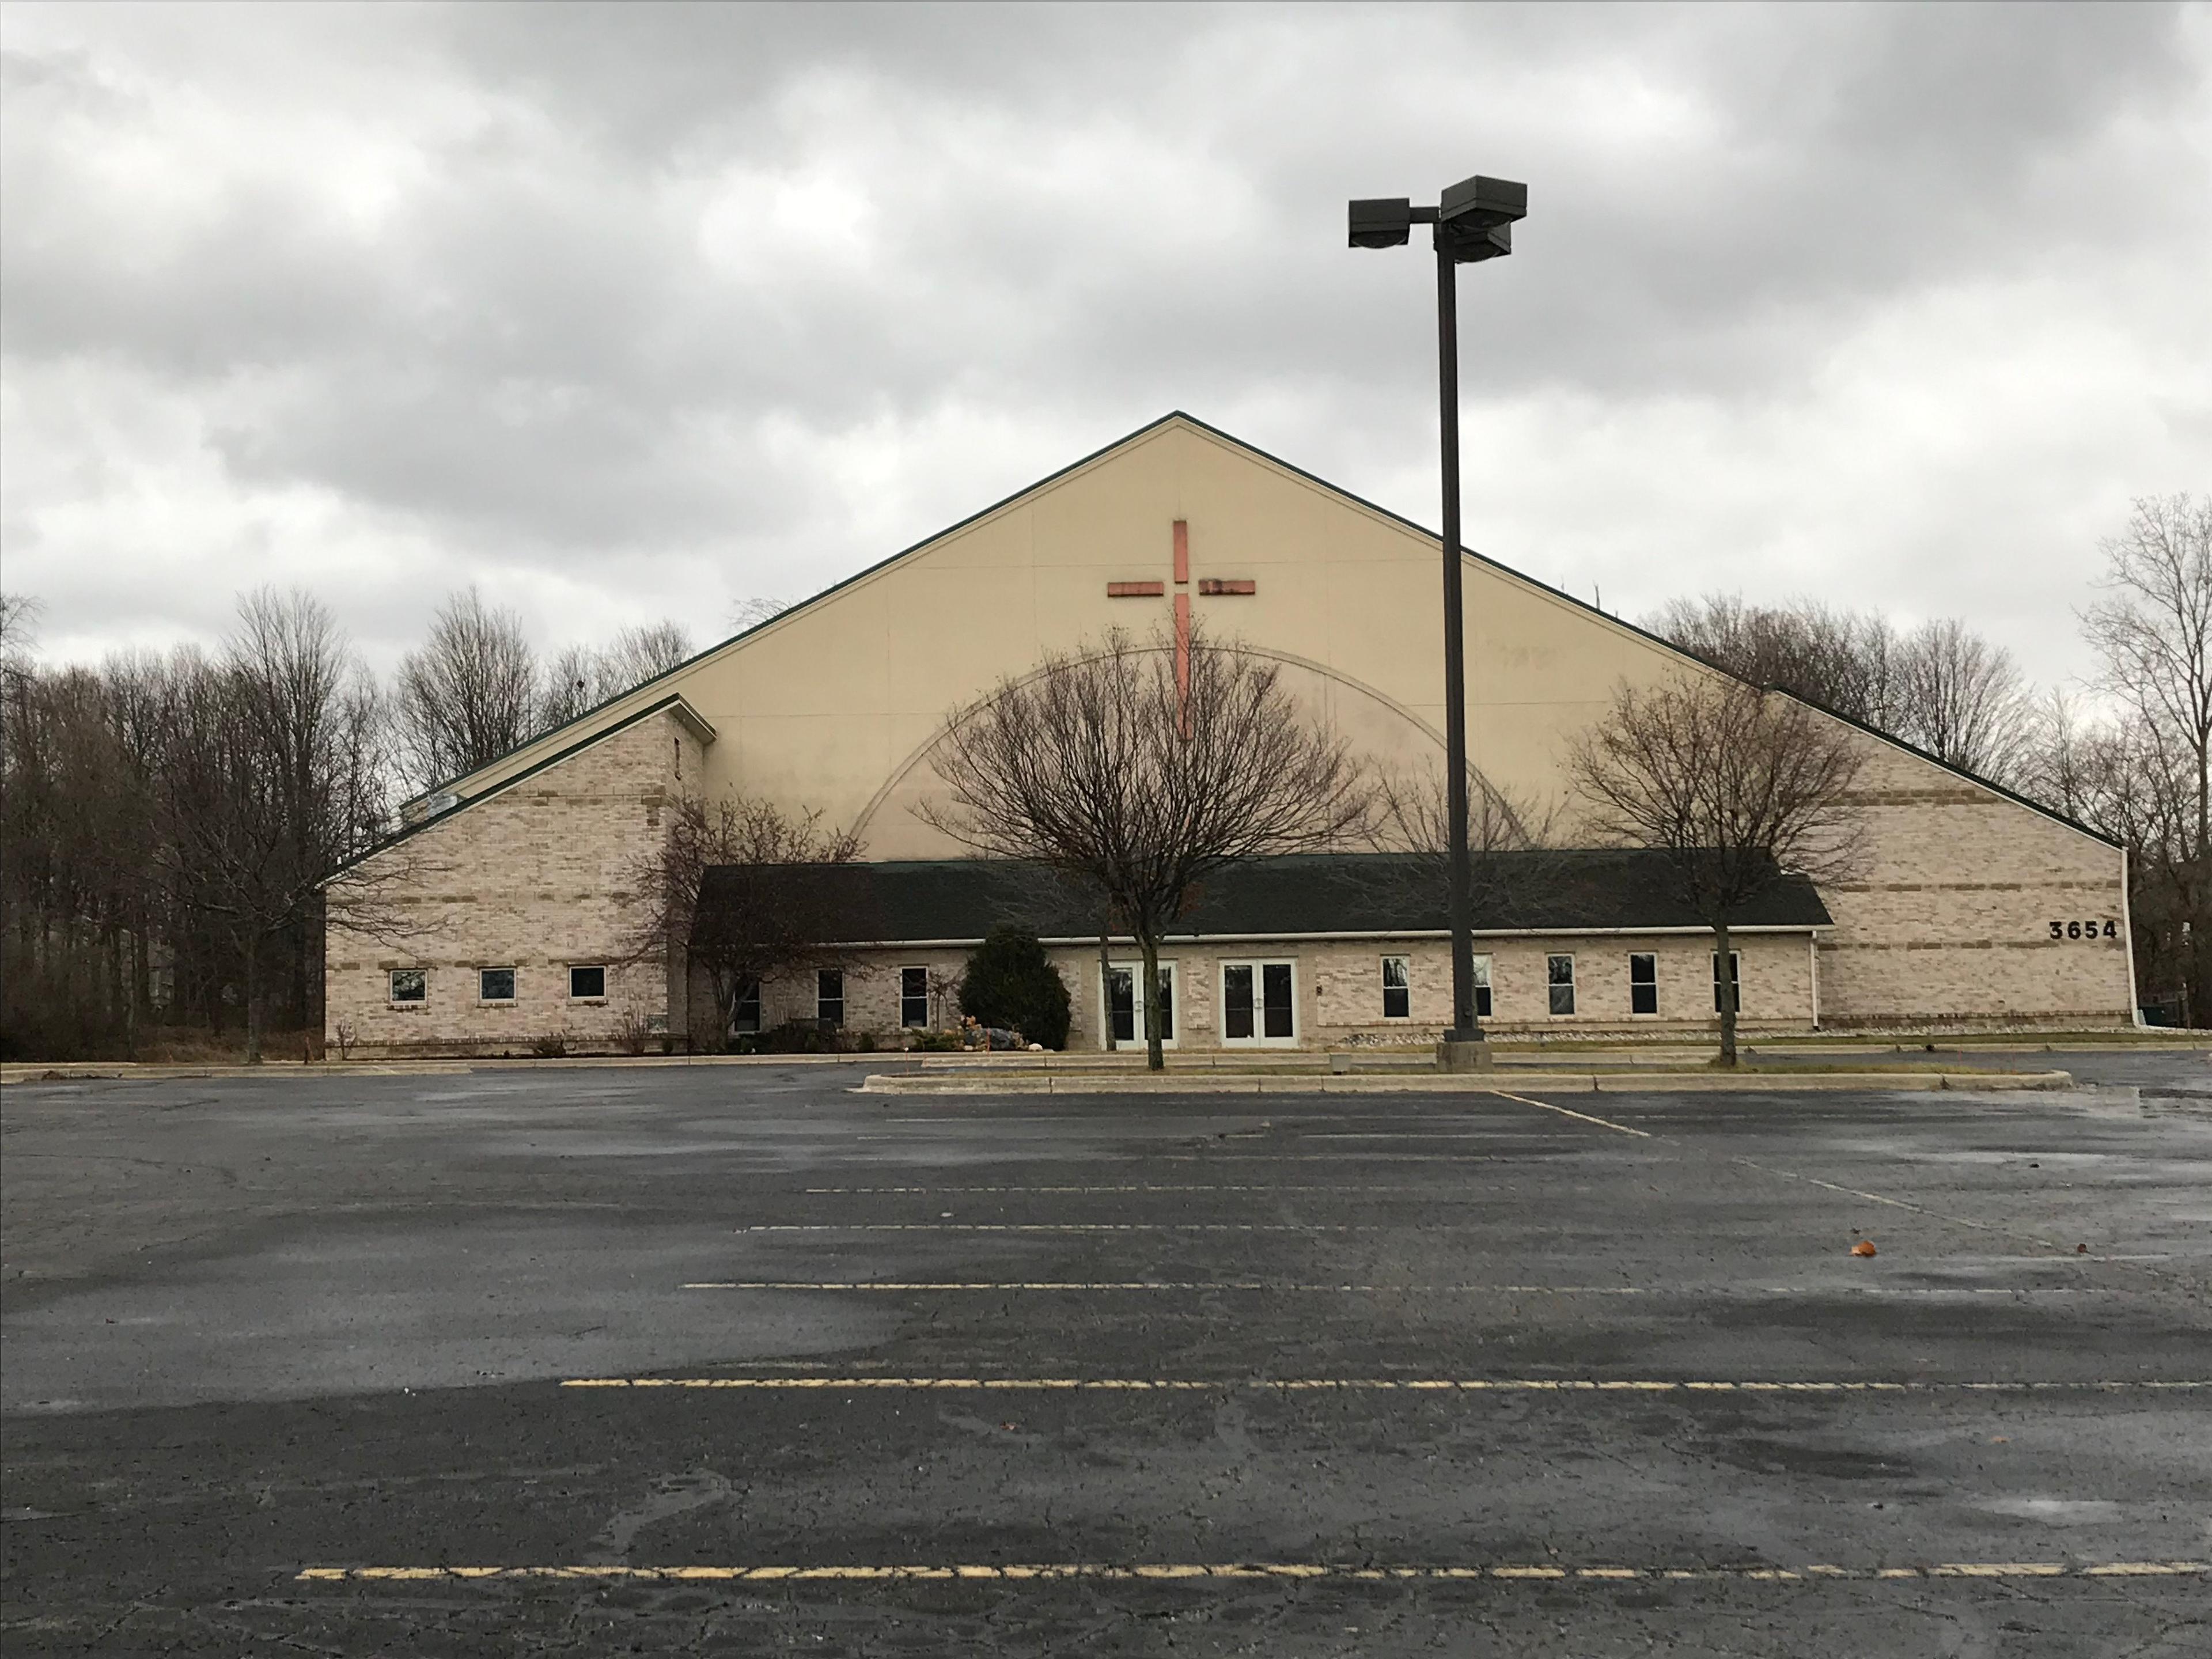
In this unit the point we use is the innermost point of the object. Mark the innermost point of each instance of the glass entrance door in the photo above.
(1125, 1009)
(1259, 1004)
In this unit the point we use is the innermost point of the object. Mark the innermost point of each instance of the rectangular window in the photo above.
(496, 984)
(1734, 984)
(1397, 994)
(1559, 973)
(914, 996)
(1482, 987)
(746, 1016)
(409, 985)
(830, 997)
(587, 982)
(1643, 982)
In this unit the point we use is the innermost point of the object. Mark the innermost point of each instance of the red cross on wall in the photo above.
(1208, 586)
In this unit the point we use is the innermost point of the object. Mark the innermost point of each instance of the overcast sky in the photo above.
(624, 312)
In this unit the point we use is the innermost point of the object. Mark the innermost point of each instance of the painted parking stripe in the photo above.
(1147, 1186)
(1381, 1385)
(1601, 1122)
(1089, 1227)
(1246, 1572)
(1267, 1286)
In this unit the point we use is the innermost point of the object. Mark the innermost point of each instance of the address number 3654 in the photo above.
(2093, 928)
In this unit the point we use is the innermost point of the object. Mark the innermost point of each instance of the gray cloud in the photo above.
(626, 311)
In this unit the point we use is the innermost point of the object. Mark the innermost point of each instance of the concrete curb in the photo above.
(1439, 1083)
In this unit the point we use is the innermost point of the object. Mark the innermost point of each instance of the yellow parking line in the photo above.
(1201, 1571)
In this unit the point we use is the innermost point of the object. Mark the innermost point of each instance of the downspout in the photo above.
(2128, 944)
(1813, 959)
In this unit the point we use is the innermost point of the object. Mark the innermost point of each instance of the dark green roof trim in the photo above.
(1356, 894)
(1320, 483)
(504, 784)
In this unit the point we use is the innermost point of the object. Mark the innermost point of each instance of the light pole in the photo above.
(1474, 222)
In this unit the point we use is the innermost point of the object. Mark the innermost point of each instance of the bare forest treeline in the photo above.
(170, 822)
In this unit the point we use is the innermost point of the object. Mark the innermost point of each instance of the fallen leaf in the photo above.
(1864, 1247)
(2081, 1249)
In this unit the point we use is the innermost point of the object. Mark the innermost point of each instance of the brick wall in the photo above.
(1949, 922)
(537, 878)
(1339, 989)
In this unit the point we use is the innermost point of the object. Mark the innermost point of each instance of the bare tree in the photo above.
(1736, 787)
(579, 678)
(469, 695)
(1845, 660)
(1940, 687)
(751, 613)
(1139, 776)
(1963, 701)
(769, 913)
(2154, 633)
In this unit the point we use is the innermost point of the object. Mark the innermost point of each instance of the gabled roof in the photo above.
(958, 901)
(1173, 417)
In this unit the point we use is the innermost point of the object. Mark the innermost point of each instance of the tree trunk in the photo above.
(1154, 1060)
(1724, 982)
(252, 1000)
(1105, 991)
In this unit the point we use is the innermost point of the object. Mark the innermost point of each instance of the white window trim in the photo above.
(406, 1002)
(904, 969)
(1485, 979)
(587, 1001)
(1383, 970)
(483, 1001)
(843, 1000)
(1257, 1040)
(1573, 983)
(1654, 955)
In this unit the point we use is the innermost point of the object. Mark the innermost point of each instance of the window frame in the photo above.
(908, 1020)
(483, 987)
(1484, 968)
(422, 977)
(748, 996)
(1404, 987)
(1651, 985)
(1553, 984)
(576, 968)
(835, 1022)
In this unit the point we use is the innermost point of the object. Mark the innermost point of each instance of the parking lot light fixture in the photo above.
(1473, 220)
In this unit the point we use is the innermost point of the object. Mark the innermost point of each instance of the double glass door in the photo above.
(1259, 1003)
(1124, 1007)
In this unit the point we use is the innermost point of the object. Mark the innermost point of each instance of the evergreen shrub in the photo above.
(1009, 981)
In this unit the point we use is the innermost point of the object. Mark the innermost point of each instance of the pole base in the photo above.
(1457, 1055)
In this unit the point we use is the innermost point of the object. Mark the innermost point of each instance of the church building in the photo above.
(1973, 909)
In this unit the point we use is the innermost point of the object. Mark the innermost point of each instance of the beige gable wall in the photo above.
(830, 706)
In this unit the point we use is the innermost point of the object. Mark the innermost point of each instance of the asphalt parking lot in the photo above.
(731, 1360)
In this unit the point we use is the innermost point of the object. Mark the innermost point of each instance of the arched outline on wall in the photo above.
(922, 753)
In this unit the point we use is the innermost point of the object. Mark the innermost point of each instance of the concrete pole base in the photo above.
(1457, 1056)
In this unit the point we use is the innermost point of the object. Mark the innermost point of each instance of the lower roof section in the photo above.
(958, 901)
